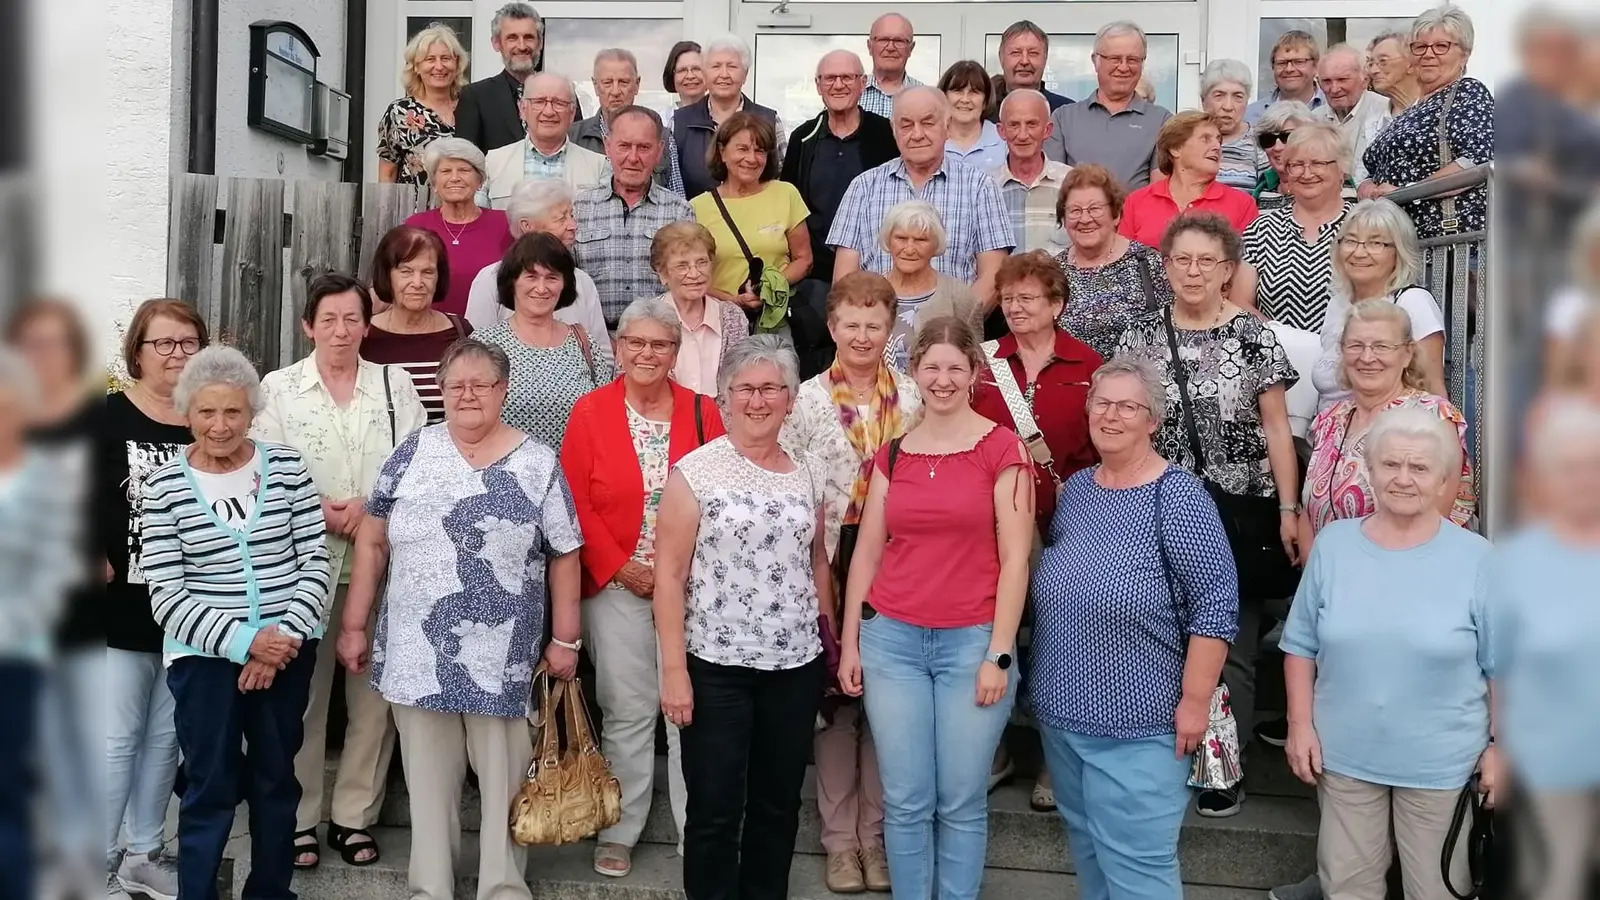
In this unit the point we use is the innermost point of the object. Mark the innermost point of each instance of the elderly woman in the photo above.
(345, 416)
(1135, 602)
(913, 234)
(434, 74)
(972, 139)
(695, 125)
(840, 419)
(1376, 257)
(757, 222)
(685, 73)
(552, 363)
(1189, 153)
(1392, 72)
(1387, 669)
(742, 585)
(143, 430)
(239, 583)
(682, 255)
(1272, 133)
(1450, 129)
(410, 274)
(1291, 247)
(1111, 279)
(930, 618)
(1225, 90)
(469, 533)
(1230, 427)
(474, 237)
(621, 442)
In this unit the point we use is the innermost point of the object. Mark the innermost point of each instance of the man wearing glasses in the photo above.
(1294, 70)
(889, 44)
(1112, 127)
(548, 104)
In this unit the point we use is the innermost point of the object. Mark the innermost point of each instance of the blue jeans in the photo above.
(141, 749)
(935, 747)
(1123, 802)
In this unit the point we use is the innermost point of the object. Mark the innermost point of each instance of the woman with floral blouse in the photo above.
(1111, 279)
(434, 74)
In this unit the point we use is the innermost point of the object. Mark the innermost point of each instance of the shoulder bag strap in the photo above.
(588, 354)
(388, 399)
(1173, 592)
(1182, 378)
(1447, 205)
(723, 208)
(1147, 282)
(699, 423)
(894, 452)
(1017, 405)
(455, 322)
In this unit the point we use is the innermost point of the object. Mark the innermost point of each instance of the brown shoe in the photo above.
(875, 869)
(844, 873)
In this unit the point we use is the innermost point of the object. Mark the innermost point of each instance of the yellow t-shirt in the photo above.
(764, 220)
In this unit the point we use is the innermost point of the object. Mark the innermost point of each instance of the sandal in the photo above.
(305, 844)
(613, 860)
(350, 842)
(1043, 798)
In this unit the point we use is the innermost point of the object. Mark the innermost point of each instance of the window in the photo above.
(570, 46)
(1070, 71)
(786, 68)
(1328, 32)
(461, 25)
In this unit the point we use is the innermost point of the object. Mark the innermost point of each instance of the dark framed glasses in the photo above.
(1268, 139)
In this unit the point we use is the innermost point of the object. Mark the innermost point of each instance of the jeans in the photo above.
(935, 748)
(1123, 803)
(141, 749)
(744, 761)
(20, 683)
(72, 729)
(213, 718)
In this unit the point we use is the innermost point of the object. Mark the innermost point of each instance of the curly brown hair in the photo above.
(1089, 176)
(1038, 265)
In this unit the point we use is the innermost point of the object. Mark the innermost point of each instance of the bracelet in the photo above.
(575, 646)
(1290, 508)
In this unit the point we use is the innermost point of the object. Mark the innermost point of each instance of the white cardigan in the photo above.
(584, 169)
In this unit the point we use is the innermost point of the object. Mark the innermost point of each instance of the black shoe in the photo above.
(1274, 732)
(1219, 804)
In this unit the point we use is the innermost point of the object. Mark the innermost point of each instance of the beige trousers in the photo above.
(359, 786)
(435, 749)
(1560, 856)
(1354, 839)
(849, 792)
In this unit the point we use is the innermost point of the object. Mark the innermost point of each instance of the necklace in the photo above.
(455, 236)
(934, 466)
(1133, 474)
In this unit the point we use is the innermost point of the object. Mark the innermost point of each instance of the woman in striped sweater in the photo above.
(238, 573)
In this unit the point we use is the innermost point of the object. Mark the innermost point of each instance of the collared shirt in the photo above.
(1149, 210)
(989, 151)
(669, 152)
(535, 164)
(1032, 207)
(1294, 275)
(1124, 142)
(1254, 112)
(874, 100)
(968, 202)
(701, 353)
(613, 243)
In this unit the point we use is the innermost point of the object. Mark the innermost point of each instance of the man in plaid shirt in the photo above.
(1029, 183)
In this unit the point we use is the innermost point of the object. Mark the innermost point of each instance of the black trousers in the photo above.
(744, 760)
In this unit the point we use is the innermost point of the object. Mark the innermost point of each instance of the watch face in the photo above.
(1003, 660)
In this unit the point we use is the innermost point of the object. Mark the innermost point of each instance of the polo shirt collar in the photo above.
(1136, 103)
(1318, 99)
(712, 317)
(1052, 174)
(1216, 190)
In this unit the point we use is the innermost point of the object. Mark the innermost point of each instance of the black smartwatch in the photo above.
(1001, 660)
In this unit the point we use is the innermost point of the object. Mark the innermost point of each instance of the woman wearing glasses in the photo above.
(1111, 279)
(1292, 247)
(684, 255)
(1272, 134)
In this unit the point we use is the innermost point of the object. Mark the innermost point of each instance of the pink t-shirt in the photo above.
(468, 248)
(1148, 211)
(941, 567)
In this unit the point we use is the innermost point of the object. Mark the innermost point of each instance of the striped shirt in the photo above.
(1032, 208)
(213, 588)
(1294, 276)
(1243, 160)
(968, 202)
(874, 100)
(613, 243)
(418, 355)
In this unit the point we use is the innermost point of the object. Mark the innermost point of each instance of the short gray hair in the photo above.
(1417, 423)
(1383, 216)
(1024, 93)
(441, 149)
(1327, 137)
(515, 11)
(914, 217)
(618, 54)
(534, 199)
(572, 88)
(728, 43)
(217, 364)
(753, 351)
(472, 348)
(918, 90)
(1279, 116)
(1149, 376)
(1449, 18)
(1117, 28)
(1398, 37)
(1222, 71)
(1351, 50)
(656, 309)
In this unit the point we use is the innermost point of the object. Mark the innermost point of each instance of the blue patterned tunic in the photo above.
(462, 618)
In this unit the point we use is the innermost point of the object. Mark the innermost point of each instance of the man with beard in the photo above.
(488, 112)
(1024, 53)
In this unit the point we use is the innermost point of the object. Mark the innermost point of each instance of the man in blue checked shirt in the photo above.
(968, 200)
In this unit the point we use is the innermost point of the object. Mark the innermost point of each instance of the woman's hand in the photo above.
(562, 662)
(1304, 750)
(992, 684)
(1190, 720)
(352, 648)
(677, 697)
(1289, 533)
(638, 578)
(273, 647)
(747, 298)
(1491, 771)
(849, 669)
(256, 676)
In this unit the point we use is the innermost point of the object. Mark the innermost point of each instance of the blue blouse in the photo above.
(1109, 640)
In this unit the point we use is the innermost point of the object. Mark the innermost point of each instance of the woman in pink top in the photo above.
(1189, 154)
(473, 236)
(932, 604)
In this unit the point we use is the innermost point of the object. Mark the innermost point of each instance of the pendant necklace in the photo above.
(455, 236)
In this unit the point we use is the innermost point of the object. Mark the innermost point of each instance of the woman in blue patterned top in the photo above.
(474, 523)
(1135, 602)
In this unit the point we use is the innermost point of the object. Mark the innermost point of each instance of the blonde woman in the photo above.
(435, 72)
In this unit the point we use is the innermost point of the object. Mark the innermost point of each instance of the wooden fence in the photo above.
(242, 250)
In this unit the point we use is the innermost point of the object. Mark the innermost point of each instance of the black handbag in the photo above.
(1251, 523)
(1481, 850)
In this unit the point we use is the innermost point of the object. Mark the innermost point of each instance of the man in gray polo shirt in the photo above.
(1112, 127)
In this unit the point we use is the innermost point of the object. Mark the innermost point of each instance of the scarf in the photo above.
(865, 433)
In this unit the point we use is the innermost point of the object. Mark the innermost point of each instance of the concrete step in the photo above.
(567, 873)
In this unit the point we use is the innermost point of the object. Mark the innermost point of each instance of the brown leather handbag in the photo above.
(568, 794)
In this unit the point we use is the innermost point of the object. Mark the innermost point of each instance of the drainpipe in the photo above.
(203, 17)
(355, 84)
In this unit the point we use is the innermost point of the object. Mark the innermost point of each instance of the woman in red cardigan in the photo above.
(621, 442)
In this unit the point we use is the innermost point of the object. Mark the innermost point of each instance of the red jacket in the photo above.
(603, 471)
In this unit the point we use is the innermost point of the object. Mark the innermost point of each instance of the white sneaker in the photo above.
(114, 889)
(152, 874)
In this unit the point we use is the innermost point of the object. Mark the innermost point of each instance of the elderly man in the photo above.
(968, 201)
(548, 101)
(1114, 126)
(889, 44)
(488, 113)
(1342, 76)
(1024, 54)
(616, 83)
(828, 152)
(617, 221)
(1029, 183)
(1294, 69)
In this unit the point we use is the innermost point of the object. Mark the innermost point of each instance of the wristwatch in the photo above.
(1002, 661)
(575, 646)
(1290, 508)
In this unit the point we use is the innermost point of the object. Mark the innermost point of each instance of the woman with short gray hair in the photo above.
(741, 581)
(1272, 133)
(913, 235)
(474, 236)
(1225, 90)
(239, 582)
(727, 67)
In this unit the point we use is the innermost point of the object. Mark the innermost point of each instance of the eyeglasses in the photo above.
(892, 43)
(838, 79)
(1120, 61)
(1205, 263)
(1439, 48)
(168, 346)
(1126, 409)
(1267, 139)
(1315, 166)
(1373, 246)
(637, 345)
(555, 103)
(1092, 211)
(1378, 348)
(681, 269)
(1020, 299)
(768, 392)
(1292, 62)
(458, 389)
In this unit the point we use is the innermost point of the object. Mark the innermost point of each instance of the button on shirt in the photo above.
(701, 352)
(613, 243)
(968, 202)
(1124, 142)
(874, 100)
(1032, 207)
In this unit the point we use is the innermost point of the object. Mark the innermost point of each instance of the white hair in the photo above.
(1416, 423)
(1024, 93)
(913, 217)
(1327, 137)
(753, 351)
(217, 364)
(441, 149)
(535, 199)
(572, 89)
(618, 54)
(1117, 29)
(1279, 116)
(728, 43)
(1223, 71)
(1135, 367)
(656, 309)
(1383, 216)
(1351, 50)
(1449, 18)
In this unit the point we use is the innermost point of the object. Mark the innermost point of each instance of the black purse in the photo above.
(1251, 523)
(849, 533)
(1481, 849)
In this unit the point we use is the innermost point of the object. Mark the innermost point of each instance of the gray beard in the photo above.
(516, 67)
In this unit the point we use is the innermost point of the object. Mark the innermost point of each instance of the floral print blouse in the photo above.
(1103, 300)
(1408, 151)
(650, 442)
(404, 131)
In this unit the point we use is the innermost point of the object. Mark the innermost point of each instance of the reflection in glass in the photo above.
(1069, 70)
(571, 44)
(786, 80)
(1357, 32)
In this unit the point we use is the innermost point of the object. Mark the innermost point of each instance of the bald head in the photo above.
(840, 80)
(890, 44)
(1024, 125)
(1341, 73)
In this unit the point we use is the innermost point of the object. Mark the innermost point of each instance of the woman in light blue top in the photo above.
(972, 139)
(1387, 668)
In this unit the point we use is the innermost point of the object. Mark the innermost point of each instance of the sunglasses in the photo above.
(1269, 138)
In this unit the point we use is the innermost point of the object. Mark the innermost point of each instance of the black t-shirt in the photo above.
(837, 163)
(131, 446)
(82, 624)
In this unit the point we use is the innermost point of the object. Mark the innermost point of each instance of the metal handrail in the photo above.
(1445, 184)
